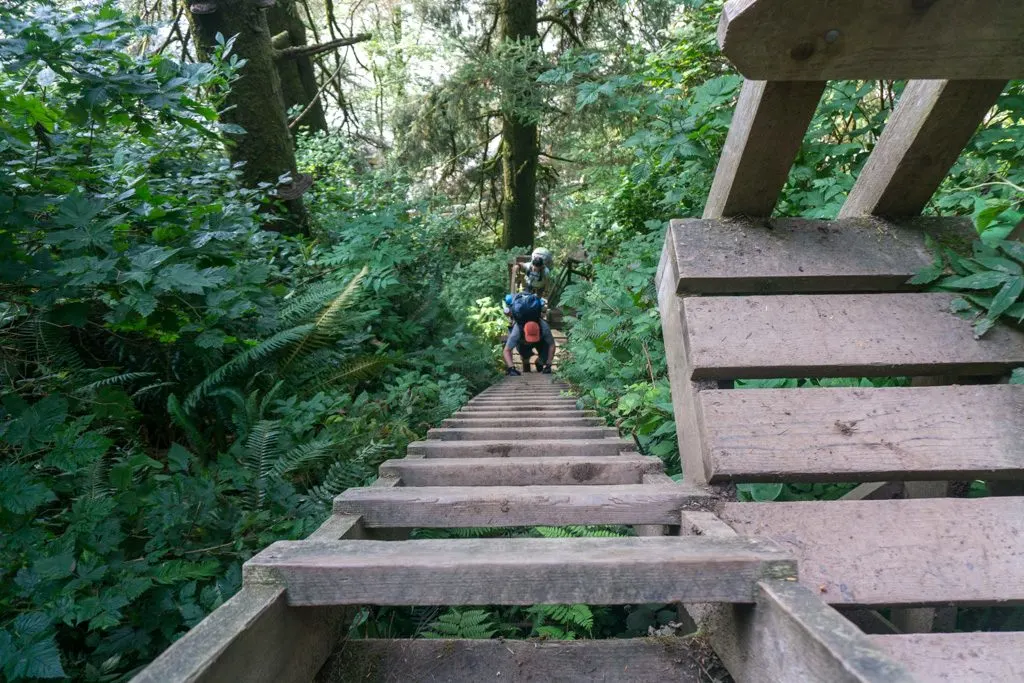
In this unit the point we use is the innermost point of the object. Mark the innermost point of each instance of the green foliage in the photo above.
(991, 281)
(455, 623)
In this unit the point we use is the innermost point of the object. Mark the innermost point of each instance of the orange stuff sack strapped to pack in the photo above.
(531, 332)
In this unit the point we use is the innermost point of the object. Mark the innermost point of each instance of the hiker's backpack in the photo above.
(526, 307)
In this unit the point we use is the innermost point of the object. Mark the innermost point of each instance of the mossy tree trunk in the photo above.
(255, 102)
(519, 143)
(297, 75)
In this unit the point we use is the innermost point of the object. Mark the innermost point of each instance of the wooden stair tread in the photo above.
(527, 433)
(622, 660)
(864, 434)
(795, 255)
(476, 506)
(835, 335)
(488, 413)
(898, 552)
(518, 571)
(551, 470)
(523, 422)
(957, 657)
(520, 448)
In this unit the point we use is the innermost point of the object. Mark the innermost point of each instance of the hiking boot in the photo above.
(539, 365)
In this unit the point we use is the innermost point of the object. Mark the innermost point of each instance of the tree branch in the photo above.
(563, 24)
(310, 50)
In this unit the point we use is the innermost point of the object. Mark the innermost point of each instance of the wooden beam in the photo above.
(789, 635)
(840, 335)
(873, 39)
(907, 553)
(685, 392)
(570, 470)
(931, 125)
(520, 571)
(505, 506)
(515, 448)
(533, 433)
(865, 434)
(800, 255)
(624, 660)
(767, 128)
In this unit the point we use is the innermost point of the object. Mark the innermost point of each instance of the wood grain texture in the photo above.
(626, 660)
(255, 636)
(509, 407)
(487, 413)
(522, 422)
(513, 448)
(898, 552)
(865, 434)
(767, 128)
(924, 136)
(522, 471)
(532, 433)
(519, 571)
(799, 255)
(840, 335)
(873, 39)
(957, 657)
(685, 404)
(495, 506)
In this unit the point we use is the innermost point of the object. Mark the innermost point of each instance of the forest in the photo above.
(250, 249)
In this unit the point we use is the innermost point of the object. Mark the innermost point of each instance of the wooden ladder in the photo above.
(744, 296)
(519, 454)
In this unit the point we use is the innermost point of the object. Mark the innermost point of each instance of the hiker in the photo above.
(537, 273)
(528, 334)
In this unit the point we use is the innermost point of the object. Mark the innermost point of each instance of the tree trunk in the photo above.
(255, 102)
(519, 144)
(297, 76)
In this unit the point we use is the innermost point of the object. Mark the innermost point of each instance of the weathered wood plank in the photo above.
(926, 133)
(625, 660)
(790, 635)
(840, 335)
(519, 571)
(476, 506)
(512, 448)
(591, 470)
(865, 434)
(799, 255)
(482, 413)
(685, 404)
(957, 657)
(769, 123)
(898, 552)
(509, 407)
(521, 422)
(531, 433)
(873, 39)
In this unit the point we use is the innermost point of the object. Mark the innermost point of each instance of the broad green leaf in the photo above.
(1006, 297)
(762, 493)
(983, 280)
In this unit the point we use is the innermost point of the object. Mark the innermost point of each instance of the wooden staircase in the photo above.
(520, 454)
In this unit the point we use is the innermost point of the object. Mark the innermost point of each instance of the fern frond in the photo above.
(185, 423)
(259, 457)
(343, 474)
(473, 623)
(327, 325)
(357, 369)
(304, 456)
(245, 360)
(578, 532)
(123, 378)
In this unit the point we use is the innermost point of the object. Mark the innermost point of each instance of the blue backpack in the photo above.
(526, 308)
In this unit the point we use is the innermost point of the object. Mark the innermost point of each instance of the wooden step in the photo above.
(864, 434)
(958, 657)
(800, 255)
(898, 552)
(527, 401)
(519, 571)
(523, 433)
(519, 407)
(492, 506)
(837, 335)
(594, 470)
(487, 413)
(423, 660)
(514, 448)
(526, 422)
